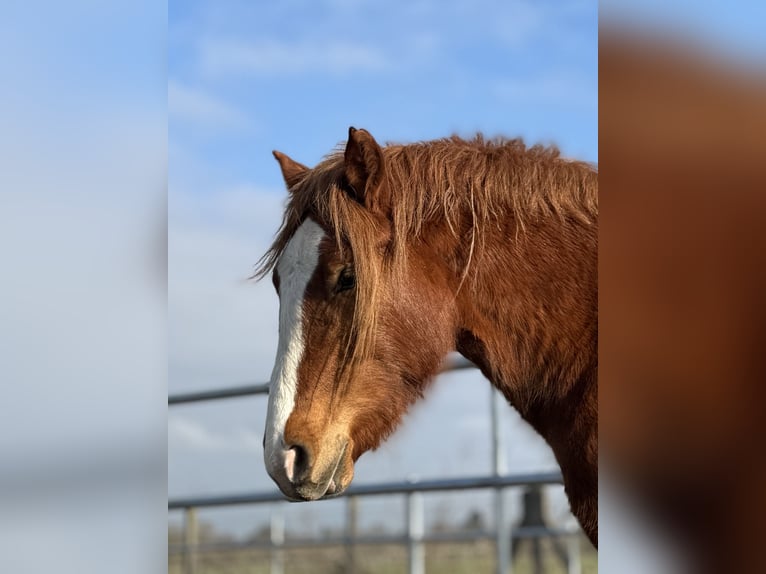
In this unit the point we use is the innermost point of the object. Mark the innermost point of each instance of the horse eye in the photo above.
(346, 281)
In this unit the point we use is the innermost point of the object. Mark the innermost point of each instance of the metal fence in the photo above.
(415, 536)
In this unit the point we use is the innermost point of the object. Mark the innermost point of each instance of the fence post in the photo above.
(415, 529)
(503, 534)
(352, 507)
(502, 524)
(191, 540)
(574, 564)
(277, 537)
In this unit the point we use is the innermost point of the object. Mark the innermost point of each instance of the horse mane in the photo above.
(439, 179)
(443, 179)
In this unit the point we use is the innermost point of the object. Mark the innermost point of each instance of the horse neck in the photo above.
(528, 317)
(527, 308)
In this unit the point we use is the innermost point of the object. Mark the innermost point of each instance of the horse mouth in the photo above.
(335, 487)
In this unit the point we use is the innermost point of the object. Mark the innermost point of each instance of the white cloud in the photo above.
(196, 106)
(270, 57)
(186, 433)
(222, 326)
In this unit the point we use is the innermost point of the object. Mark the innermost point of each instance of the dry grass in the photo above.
(447, 558)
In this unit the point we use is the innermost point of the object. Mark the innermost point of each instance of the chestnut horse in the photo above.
(389, 258)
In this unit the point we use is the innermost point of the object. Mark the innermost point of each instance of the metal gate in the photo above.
(415, 536)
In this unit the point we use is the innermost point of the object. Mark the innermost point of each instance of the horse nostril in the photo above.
(296, 462)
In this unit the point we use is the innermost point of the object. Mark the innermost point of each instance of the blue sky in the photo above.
(245, 78)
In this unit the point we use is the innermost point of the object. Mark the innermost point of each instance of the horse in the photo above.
(391, 257)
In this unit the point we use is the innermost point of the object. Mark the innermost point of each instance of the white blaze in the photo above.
(295, 268)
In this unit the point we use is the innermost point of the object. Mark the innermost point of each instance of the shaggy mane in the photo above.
(446, 180)
(439, 179)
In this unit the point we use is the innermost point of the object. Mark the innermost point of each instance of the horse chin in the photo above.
(335, 487)
(338, 483)
(341, 478)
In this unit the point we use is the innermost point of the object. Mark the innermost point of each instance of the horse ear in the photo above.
(292, 171)
(364, 170)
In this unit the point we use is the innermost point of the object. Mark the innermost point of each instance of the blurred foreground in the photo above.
(682, 283)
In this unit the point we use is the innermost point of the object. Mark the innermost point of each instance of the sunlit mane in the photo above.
(486, 178)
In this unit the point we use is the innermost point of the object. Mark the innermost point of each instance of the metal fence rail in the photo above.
(415, 536)
(414, 539)
(452, 364)
(405, 487)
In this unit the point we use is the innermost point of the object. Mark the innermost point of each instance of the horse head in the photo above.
(365, 319)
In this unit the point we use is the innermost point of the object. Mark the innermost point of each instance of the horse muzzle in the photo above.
(312, 471)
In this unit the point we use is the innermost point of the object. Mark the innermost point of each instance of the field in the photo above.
(447, 558)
